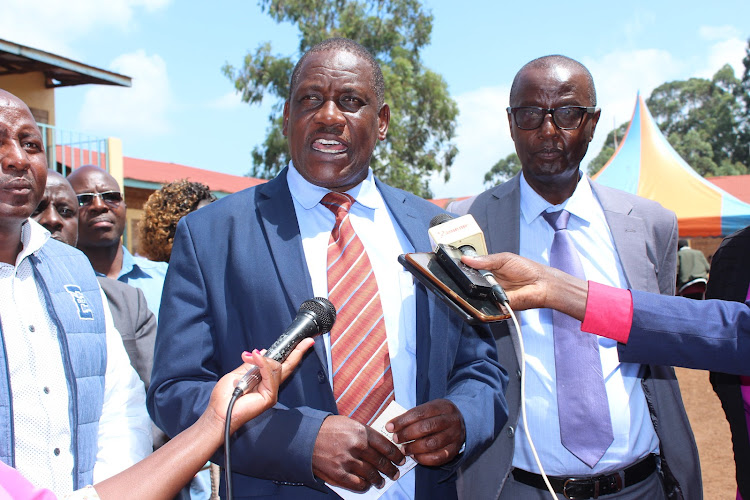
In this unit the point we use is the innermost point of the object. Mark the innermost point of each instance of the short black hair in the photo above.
(682, 243)
(547, 62)
(347, 45)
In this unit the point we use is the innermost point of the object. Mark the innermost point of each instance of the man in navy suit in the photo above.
(241, 267)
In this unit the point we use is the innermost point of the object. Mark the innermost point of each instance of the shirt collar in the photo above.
(308, 195)
(128, 262)
(579, 203)
(33, 238)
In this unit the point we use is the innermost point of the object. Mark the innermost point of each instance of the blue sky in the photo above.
(182, 109)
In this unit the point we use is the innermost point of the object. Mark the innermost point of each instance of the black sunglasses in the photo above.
(109, 197)
(566, 117)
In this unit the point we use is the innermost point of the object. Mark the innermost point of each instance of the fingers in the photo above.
(433, 432)
(295, 357)
(353, 455)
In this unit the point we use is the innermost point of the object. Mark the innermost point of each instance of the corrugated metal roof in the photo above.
(59, 71)
(157, 172)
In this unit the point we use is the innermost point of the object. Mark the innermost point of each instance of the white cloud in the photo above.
(482, 138)
(729, 51)
(718, 32)
(230, 100)
(130, 112)
(52, 25)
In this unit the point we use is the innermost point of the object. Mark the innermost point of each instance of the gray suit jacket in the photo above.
(135, 322)
(645, 237)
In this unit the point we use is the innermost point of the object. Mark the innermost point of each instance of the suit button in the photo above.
(510, 432)
(518, 373)
(321, 376)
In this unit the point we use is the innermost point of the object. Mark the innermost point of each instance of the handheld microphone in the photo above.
(464, 234)
(315, 316)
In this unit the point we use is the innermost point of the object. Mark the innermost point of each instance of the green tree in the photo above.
(502, 170)
(742, 93)
(608, 149)
(423, 116)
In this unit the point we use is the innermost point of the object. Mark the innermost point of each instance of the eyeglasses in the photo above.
(112, 198)
(566, 117)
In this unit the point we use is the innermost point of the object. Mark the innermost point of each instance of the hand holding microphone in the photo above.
(464, 235)
(315, 317)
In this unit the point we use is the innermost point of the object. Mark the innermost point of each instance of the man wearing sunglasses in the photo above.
(601, 427)
(101, 223)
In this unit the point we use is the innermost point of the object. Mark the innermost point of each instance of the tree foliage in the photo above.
(502, 170)
(706, 121)
(423, 116)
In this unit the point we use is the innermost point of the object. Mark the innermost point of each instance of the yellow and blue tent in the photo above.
(646, 164)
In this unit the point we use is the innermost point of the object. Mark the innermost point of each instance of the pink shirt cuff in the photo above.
(609, 312)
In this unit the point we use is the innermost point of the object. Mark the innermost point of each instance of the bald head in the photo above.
(58, 210)
(561, 66)
(23, 164)
(101, 220)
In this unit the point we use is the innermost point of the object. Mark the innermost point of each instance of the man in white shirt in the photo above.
(72, 407)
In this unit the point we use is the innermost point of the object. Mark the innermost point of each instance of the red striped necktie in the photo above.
(362, 380)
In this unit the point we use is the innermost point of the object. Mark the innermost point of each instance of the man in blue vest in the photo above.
(71, 407)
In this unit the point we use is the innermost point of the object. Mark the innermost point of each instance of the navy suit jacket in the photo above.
(236, 278)
(645, 237)
(706, 335)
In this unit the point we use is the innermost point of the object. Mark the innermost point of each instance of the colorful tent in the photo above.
(646, 164)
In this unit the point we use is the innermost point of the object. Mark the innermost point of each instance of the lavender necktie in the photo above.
(582, 406)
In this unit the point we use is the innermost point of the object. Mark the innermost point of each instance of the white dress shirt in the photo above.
(634, 435)
(384, 241)
(39, 390)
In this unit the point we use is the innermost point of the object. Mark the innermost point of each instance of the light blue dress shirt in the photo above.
(148, 275)
(634, 435)
(384, 241)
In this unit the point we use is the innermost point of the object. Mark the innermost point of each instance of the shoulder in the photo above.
(398, 199)
(116, 288)
(613, 199)
(156, 266)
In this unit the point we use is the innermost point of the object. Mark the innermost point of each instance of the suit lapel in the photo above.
(276, 208)
(503, 210)
(628, 233)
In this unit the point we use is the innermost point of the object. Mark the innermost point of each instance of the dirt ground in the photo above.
(711, 433)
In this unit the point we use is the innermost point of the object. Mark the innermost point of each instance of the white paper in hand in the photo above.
(393, 410)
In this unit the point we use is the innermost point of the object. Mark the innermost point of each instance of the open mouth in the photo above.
(329, 146)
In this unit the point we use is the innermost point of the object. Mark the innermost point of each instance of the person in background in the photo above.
(163, 210)
(58, 214)
(101, 223)
(160, 475)
(730, 280)
(161, 213)
(691, 266)
(73, 408)
(635, 426)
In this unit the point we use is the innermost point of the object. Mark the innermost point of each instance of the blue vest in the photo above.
(69, 286)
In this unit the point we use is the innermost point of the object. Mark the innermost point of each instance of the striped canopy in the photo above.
(646, 164)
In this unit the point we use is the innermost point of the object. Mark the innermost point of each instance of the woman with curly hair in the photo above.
(163, 210)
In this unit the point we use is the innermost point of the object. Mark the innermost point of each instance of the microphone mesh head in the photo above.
(439, 219)
(324, 311)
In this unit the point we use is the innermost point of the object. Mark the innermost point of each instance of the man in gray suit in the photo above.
(619, 239)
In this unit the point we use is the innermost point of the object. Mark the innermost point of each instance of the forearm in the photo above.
(162, 474)
(567, 294)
